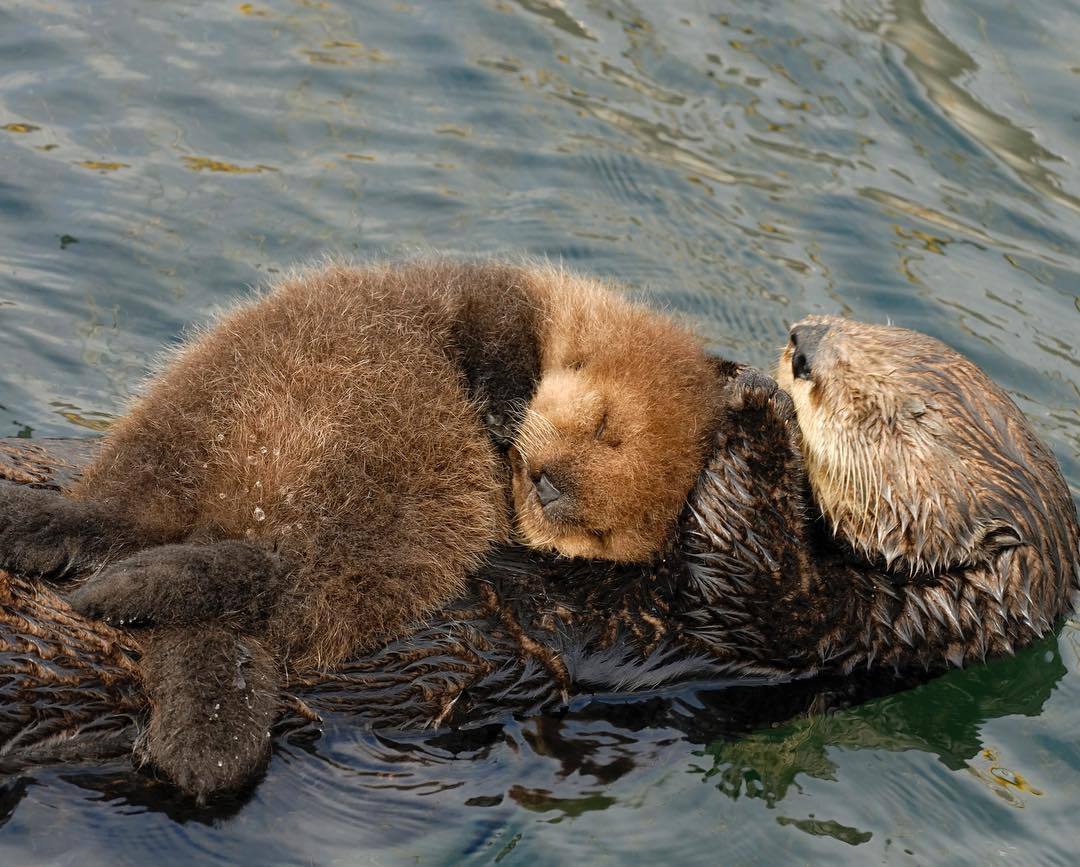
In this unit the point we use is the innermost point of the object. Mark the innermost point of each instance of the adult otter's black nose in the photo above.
(546, 491)
(805, 339)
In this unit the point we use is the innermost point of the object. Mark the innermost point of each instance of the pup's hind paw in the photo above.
(214, 696)
(46, 535)
(173, 585)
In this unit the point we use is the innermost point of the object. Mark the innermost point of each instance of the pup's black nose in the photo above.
(546, 491)
(805, 340)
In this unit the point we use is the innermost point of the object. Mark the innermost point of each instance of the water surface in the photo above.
(745, 162)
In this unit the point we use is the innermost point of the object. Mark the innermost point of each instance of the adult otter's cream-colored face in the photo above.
(614, 436)
(913, 454)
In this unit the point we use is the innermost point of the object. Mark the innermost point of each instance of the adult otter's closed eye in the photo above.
(322, 469)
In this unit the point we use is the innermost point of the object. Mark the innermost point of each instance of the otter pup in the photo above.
(324, 467)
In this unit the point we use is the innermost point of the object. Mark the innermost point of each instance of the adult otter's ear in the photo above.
(998, 535)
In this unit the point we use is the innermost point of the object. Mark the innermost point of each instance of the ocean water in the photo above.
(913, 161)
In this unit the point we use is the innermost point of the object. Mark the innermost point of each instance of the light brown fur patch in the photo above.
(619, 421)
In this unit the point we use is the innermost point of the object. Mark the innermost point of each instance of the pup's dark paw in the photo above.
(173, 585)
(204, 762)
(214, 696)
(122, 594)
(46, 535)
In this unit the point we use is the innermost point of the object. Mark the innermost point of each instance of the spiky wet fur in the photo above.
(955, 535)
(916, 457)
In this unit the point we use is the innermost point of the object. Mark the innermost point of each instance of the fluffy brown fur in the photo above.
(972, 550)
(327, 421)
(322, 468)
(619, 424)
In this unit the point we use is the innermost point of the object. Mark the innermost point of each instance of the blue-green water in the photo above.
(747, 162)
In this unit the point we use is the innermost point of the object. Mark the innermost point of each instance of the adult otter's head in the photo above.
(915, 456)
(616, 432)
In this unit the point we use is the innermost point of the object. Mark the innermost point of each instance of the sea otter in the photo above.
(756, 582)
(323, 468)
(914, 519)
(931, 482)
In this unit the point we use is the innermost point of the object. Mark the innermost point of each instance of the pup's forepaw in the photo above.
(175, 585)
(120, 595)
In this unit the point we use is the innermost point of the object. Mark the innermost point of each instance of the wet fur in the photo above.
(213, 695)
(909, 516)
(915, 456)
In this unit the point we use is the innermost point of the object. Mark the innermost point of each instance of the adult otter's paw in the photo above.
(748, 511)
(214, 696)
(173, 585)
(46, 535)
(753, 389)
(759, 429)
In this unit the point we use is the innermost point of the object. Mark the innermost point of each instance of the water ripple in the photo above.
(745, 164)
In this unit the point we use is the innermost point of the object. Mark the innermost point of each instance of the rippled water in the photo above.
(748, 162)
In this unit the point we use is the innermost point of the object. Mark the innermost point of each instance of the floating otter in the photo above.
(316, 473)
(926, 469)
(755, 584)
(906, 514)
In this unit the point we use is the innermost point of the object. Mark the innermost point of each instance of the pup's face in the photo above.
(610, 446)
